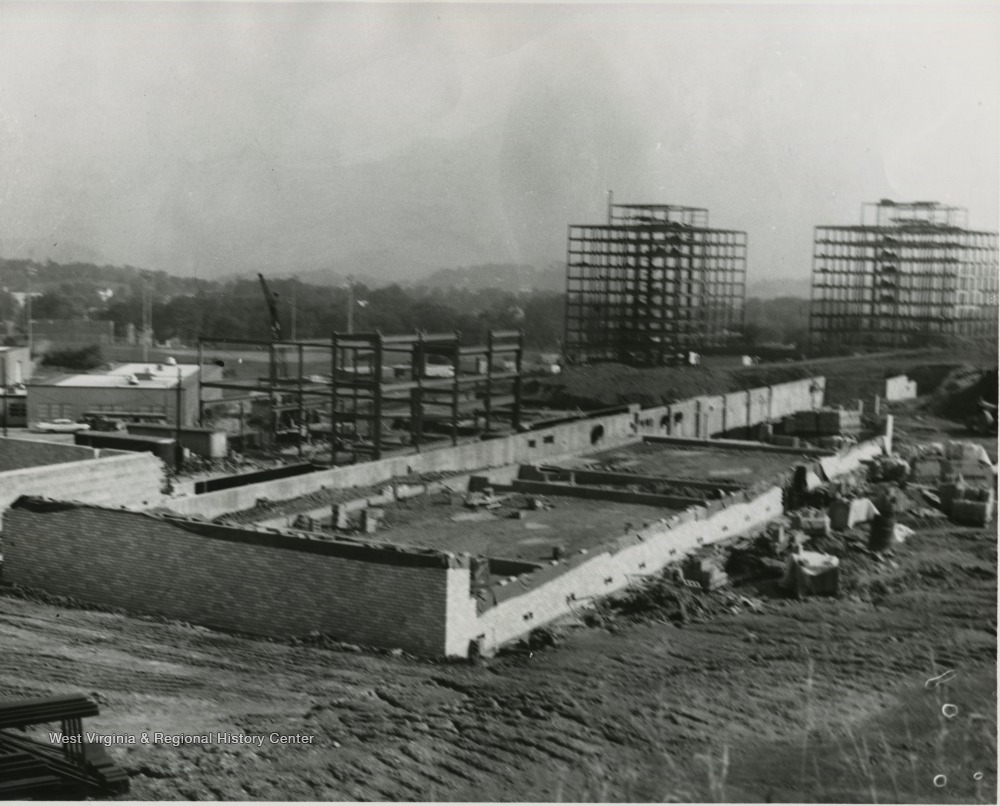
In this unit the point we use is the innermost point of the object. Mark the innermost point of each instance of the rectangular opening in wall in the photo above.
(549, 439)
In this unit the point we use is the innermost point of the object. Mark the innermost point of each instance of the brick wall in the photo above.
(120, 479)
(253, 581)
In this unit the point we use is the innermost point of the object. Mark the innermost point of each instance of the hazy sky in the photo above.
(393, 139)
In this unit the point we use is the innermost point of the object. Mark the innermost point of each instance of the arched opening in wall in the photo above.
(596, 434)
(678, 417)
(665, 421)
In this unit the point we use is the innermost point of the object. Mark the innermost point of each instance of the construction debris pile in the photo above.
(841, 529)
(831, 428)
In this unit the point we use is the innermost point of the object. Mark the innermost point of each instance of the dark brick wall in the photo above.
(162, 566)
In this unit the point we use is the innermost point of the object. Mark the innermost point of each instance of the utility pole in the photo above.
(145, 322)
(350, 304)
(179, 451)
(28, 300)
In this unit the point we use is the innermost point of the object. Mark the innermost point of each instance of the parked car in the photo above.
(60, 427)
(97, 422)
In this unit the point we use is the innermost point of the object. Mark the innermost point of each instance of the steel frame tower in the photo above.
(652, 281)
(910, 272)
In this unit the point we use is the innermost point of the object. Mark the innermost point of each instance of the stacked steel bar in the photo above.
(654, 281)
(39, 770)
(908, 275)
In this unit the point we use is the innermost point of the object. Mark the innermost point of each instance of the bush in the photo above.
(87, 358)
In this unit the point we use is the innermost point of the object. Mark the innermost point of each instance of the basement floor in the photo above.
(694, 463)
(573, 523)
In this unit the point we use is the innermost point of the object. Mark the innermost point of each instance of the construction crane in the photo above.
(272, 306)
(278, 365)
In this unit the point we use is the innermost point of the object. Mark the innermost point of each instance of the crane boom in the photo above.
(272, 307)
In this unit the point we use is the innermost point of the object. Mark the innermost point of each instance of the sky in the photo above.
(393, 139)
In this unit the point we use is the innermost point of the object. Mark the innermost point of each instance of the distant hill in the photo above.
(41, 250)
(512, 278)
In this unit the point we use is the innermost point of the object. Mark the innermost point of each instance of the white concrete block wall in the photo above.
(900, 387)
(701, 416)
(461, 620)
(549, 444)
(735, 406)
(606, 573)
(125, 479)
(759, 405)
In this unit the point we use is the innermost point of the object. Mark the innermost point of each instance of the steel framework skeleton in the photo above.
(910, 272)
(652, 281)
(424, 383)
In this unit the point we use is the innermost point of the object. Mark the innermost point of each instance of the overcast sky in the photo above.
(393, 139)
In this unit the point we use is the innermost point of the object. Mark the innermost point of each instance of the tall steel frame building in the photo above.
(909, 275)
(652, 281)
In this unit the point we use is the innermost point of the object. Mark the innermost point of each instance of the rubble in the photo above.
(812, 521)
(811, 573)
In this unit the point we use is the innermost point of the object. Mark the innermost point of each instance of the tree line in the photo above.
(184, 308)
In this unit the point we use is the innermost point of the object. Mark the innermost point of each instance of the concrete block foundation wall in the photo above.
(704, 417)
(900, 387)
(549, 444)
(120, 479)
(606, 572)
(274, 583)
(246, 580)
(16, 454)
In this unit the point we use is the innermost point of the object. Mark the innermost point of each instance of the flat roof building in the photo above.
(652, 281)
(137, 388)
(910, 274)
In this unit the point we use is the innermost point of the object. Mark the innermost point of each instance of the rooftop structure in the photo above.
(652, 281)
(907, 275)
(146, 376)
(134, 388)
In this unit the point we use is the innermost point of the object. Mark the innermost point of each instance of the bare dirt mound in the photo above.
(848, 378)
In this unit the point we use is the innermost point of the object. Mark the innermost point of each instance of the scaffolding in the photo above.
(907, 275)
(655, 280)
(370, 393)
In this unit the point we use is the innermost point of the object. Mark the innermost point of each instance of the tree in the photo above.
(84, 359)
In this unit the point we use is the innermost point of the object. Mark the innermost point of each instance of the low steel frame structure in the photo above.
(358, 398)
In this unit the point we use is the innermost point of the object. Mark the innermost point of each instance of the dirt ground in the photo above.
(572, 523)
(702, 464)
(885, 693)
(847, 378)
